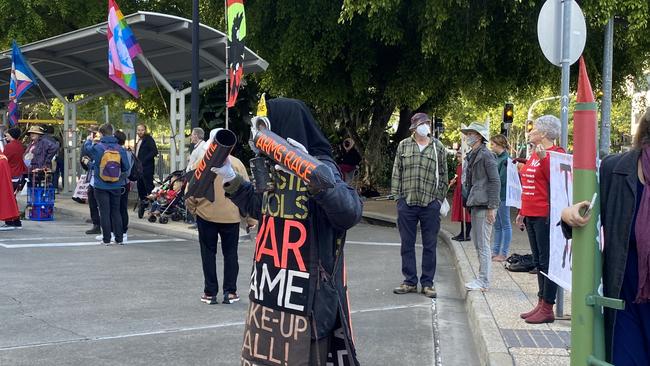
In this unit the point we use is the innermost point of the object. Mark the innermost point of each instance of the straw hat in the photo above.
(36, 130)
(478, 127)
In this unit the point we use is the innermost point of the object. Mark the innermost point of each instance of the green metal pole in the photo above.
(584, 239)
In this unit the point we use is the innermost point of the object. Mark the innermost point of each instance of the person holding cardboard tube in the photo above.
(300, 245)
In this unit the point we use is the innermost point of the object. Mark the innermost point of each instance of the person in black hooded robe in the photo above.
(299, 312)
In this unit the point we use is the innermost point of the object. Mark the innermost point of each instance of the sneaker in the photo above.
(230, 298)
(475, 285)
(209, 299)
(405, 288)
(95, 230)
(6, 227)
(16, 223)
(429, 291)
(101, 237)
(125, 239)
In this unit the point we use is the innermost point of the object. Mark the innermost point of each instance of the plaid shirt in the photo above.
(414, 172)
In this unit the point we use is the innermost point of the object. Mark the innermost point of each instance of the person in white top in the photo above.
(200, 146)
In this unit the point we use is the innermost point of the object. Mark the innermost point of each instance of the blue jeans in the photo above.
(407, 222)
(502, 231)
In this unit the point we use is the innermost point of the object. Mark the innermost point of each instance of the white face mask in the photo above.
(423, 130)
(471, 140)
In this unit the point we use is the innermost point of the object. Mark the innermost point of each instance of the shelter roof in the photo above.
(77, 62)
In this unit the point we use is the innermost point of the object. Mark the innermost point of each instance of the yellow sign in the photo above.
(261, 107)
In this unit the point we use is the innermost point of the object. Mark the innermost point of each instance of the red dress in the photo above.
(8, 208)
(457, 208)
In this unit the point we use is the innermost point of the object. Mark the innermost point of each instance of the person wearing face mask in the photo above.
(535, 209)
(419, 184)
(481, 193)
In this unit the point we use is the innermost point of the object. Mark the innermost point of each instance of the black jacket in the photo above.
(618, 191)
(147, 152)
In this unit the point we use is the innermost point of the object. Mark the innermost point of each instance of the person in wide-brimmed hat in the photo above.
(481, 195)
(40, 151)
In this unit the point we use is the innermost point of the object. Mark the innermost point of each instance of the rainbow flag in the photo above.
(21, 80)
(122, 48)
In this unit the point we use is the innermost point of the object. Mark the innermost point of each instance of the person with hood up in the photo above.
(299, 305)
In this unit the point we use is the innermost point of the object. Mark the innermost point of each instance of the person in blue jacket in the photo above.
(110, 168)
(298, 270)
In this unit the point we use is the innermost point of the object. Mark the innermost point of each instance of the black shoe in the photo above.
(459, 237)
(95, 230)
(141, 208)
(209, 299)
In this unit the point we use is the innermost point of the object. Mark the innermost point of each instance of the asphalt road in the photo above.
(65, 300)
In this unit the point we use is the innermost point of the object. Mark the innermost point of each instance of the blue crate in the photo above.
(37, 195)
(42, 212)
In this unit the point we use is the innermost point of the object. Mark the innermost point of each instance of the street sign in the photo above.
(129, 118)
(549, 31)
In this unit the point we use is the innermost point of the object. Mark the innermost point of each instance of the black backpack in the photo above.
(519, 263)
(136, 169)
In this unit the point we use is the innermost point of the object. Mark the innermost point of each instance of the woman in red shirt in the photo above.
(459, 213)
(14, 152)
(534, 213)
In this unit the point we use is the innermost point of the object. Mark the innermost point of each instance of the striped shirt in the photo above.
(414, 172)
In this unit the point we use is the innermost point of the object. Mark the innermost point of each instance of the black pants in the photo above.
(540, 244)
(109, 213)
(92, 205)
(145, 184)
(209, 233)
(124, 207)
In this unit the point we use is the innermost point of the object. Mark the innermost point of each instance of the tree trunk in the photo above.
(375, 153)
(402, 132)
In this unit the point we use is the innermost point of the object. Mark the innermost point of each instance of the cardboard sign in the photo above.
(561, 173)
(513, 186)
(81, 190)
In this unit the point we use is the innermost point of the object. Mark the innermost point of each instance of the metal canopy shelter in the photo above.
(77, 63)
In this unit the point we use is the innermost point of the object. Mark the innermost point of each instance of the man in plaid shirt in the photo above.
(419, 184)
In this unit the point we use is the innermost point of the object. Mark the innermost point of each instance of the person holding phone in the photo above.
(534, 213)
(624, 215)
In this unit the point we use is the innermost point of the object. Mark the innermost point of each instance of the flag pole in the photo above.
(225, 7)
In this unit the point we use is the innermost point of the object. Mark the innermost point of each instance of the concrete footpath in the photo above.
(500, 335)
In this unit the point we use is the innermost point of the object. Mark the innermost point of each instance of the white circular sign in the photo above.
(549, 31)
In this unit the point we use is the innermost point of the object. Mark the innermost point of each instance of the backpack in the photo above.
(519, 263)
(110, 166)
(136, 169)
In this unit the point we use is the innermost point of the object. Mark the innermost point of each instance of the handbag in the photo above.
(444, 205)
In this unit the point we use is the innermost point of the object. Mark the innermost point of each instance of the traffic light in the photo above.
(438, 127)
(508, 116)
(529, 125)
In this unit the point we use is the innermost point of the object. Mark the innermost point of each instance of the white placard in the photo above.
(513, 186)
(561, 173)
(81, 190)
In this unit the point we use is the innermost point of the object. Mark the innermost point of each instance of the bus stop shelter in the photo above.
(76, 63)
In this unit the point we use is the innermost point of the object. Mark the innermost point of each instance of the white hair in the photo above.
(549, 125)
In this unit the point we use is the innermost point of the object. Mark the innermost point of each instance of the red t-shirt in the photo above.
(14, 152)
(535, 184)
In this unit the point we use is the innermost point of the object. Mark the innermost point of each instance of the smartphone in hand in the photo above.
(591, 205)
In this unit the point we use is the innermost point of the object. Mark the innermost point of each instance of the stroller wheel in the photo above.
(176, 216)
(152, 218)
(163, 219)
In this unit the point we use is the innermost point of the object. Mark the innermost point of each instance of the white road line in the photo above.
(181, 330)
(80, 244)
(377, 243)
(66, 237)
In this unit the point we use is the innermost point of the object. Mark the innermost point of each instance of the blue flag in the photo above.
(22, 79)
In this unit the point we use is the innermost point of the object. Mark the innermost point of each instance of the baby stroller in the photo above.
(168, 200)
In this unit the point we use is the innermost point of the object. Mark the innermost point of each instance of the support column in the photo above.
(67, 147)
(174, 127)
(182, 160)
(75, 151)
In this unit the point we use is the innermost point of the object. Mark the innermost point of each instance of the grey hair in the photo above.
(549, 125)
(198, 131)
